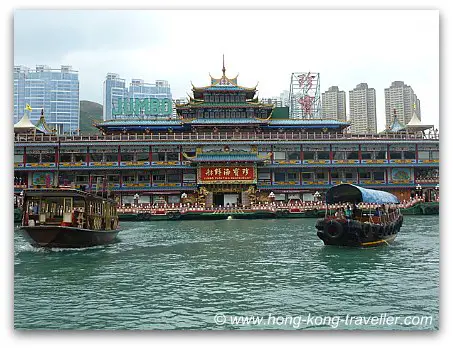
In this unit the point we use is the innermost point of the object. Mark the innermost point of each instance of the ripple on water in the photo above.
(178, 275)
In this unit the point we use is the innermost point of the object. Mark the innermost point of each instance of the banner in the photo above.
(227, 174)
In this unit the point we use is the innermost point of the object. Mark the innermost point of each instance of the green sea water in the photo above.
(231, 274)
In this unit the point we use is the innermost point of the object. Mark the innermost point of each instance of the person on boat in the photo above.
(377, 212)
(355, 211)
(348, 212)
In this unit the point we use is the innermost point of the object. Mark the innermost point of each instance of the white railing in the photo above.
(219, 136)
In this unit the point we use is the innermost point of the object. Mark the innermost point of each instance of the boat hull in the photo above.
(66, 237)
(357, 234)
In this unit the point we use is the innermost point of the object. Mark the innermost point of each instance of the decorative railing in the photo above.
(219, 136)
(298, 207)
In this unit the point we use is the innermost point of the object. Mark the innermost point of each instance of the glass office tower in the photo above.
(115, 88)
(56, 91)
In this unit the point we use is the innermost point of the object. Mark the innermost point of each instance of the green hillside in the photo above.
(89, 111)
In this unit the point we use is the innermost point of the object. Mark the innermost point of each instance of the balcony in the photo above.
(219, 136)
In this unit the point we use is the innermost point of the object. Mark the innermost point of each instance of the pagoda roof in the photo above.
(223, 83)
(396, 126)
(42, 125)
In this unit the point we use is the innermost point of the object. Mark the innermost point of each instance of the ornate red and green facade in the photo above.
(223, 146)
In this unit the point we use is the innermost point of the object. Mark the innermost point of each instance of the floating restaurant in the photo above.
(227, 148)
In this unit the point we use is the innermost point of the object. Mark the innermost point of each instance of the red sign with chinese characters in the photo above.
(227, 174)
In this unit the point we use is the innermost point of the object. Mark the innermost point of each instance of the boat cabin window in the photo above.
(48, 157)
(396, 155)
(338, 155)
(380, 154)
(142, 156)
(81, 179)
(409, 154)
(379, 175)
(435, 155)
(293, 155)
(127, 157)
(65, 157)
(348, 175)
(366, 155)
(32, 158)
(323, 155)
(111, 157)
(352, 155)
(114, 178)
(307, 176)
(80, 157)
(309, 155)
(96, 157)
(53, 209)
(173, 156)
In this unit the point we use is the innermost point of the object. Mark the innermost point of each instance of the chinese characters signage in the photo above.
(229, 174)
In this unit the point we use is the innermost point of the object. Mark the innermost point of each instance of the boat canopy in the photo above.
(345, 193)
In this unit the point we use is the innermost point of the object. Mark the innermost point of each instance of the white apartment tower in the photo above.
(334, 104)
(400, 99)
(362, 109)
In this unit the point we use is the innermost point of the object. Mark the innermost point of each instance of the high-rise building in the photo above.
(400, 99)
(114, 88)
(281, 101)
(334, 104)
(56, 91)
(362, 109)
(115, 92)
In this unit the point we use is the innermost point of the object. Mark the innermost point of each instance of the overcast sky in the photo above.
(345, 47)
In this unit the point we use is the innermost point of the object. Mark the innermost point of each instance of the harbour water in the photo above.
(207, 275)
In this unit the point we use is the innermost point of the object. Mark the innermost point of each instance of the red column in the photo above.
(416, 154)
(330, 155)
(388, 152)
(119, 155)
(360, 153)
(150, 154)
(329, 173)
(301, 155)
(386, 176)
(24, 156)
